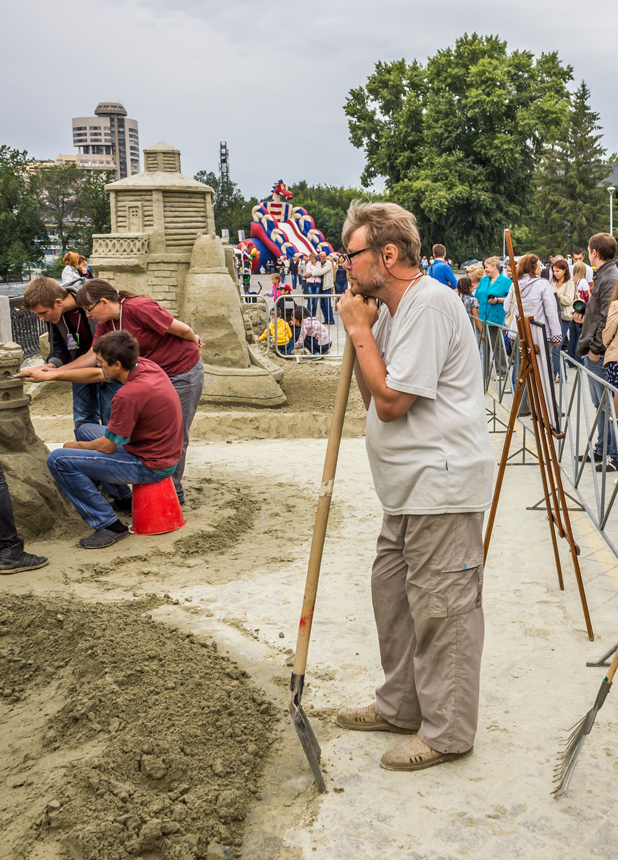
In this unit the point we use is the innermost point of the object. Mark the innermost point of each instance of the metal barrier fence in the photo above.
(319, 305)
(26, 327)
(587, 417)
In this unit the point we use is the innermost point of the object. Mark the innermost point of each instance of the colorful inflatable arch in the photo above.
(280, 230)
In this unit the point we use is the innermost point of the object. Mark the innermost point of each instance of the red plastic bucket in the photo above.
(156, 509)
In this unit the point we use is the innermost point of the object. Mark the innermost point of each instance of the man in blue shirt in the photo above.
(440, 269)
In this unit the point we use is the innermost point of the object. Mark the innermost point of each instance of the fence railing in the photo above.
(26, 327)
(320, 305)
(586, 419)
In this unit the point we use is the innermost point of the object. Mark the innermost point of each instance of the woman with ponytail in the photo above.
(163, 339)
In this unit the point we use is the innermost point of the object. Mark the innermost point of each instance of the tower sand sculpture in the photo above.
(163, 245)
(38, 504)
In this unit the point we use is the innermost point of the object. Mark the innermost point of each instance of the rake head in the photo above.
(580, 731)
(303, 728)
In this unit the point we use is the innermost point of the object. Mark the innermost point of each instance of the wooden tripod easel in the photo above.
(555, 500)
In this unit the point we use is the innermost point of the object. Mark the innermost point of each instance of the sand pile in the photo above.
(122, 738)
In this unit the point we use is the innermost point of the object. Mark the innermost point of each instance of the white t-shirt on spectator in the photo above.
(589, 271)
(437, 458)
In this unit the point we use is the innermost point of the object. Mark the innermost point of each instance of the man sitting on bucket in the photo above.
(141, 444)
(419, 375)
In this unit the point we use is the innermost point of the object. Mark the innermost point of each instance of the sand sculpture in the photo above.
(163, 245)
(37, 501)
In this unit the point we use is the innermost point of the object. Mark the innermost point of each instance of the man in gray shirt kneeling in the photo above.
(419, 373)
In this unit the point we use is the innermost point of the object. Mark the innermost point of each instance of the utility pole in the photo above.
(224, 164)
(611, 190)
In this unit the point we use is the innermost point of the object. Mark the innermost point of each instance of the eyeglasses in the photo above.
(92, 307)
(347, 258)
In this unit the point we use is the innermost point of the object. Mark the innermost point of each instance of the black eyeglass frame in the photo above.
(347, 258)
(92, 307)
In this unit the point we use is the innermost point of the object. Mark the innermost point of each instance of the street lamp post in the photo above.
(611, 190)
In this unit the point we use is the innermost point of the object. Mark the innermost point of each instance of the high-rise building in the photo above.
(108, 133)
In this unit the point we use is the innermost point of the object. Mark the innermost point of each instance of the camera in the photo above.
(579, 306)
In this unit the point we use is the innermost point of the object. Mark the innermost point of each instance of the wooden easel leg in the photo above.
(519, 388)
(543, 466)
(550, 469)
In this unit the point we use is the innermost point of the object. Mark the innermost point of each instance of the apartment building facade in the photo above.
(107, 140)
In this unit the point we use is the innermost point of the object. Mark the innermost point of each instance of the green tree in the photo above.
(22, 231)
(457, 140)
(93, 207)
(60, 187)
(328, 206)
(572, 199)
(232, 211)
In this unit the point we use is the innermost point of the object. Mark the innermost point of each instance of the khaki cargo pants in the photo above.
(426, 587)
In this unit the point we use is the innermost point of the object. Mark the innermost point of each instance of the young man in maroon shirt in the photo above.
(70, 336)
(141, 444)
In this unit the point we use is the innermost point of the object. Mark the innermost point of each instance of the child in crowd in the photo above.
(464, 290)
(582, 286)
(284, 333)
(313, 335)
(276, 290)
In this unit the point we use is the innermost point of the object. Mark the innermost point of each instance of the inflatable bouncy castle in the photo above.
(281, 230)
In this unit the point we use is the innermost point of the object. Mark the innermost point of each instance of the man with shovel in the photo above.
(419, 375)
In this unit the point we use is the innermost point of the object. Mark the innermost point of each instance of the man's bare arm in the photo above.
(104, 445)
(362, 385)
(358, 316)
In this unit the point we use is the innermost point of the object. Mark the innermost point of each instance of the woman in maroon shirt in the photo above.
(163, 339)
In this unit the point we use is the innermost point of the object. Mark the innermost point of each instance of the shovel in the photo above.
(299, 718)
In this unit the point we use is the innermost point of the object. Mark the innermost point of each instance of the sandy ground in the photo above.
(237, 571)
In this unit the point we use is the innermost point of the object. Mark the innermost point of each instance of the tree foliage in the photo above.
(457, 140)
(328, 206)
(22, 231)
(572, 200)
(232, 211)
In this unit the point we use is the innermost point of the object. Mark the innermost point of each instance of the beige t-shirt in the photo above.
(435, 459)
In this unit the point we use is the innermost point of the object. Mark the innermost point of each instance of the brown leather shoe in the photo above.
(367, 719)
(414, 754)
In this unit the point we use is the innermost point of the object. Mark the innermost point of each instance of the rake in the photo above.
(307, 738)
(568, 759)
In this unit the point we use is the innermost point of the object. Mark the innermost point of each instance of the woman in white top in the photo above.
(538, 301)
(564, 290)
(314, 283)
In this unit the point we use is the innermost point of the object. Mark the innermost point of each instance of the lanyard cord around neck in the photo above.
(120, 320)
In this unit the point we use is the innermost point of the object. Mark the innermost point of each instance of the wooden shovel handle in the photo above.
(612, 669)
(321, 517)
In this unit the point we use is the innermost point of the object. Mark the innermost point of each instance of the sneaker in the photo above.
(13, 559)
(100, 538)
(414, 754)
(610, 464)
(367, 719)
(585, 458)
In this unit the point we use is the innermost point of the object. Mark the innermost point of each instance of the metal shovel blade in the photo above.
(305, 733)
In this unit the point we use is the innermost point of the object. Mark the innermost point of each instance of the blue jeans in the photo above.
(596, 392)
(8, 532)
(92, 402)
(311, 343)
(296, 281)
(574, 333)
(76, 470)
(327, 307)
(314, 290)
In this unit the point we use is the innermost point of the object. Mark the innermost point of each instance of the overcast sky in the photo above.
(267, 76)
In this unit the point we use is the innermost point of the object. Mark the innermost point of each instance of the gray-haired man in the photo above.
(418, 372)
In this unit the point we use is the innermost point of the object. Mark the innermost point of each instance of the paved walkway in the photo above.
(535, 686)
